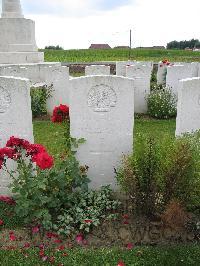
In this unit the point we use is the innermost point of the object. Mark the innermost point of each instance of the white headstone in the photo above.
(121, 67)
(177, 72)
(161, 74)
(15, 116)
(102, 112)
(188, 109)
(43, 74)
(58, 77)
(142, 76)
(97, 70)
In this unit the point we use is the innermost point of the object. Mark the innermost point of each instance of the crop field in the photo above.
(89, 55)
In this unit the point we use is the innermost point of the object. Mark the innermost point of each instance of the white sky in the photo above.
(75, 24)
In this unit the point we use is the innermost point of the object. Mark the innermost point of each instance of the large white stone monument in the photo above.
(188, 108)
(102, 112)
(15, 116)
(17, 36)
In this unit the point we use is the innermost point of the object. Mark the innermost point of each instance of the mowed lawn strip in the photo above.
(184, 255)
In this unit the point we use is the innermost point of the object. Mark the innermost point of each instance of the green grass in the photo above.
(51, 135)
(160, 256)
(89, 55)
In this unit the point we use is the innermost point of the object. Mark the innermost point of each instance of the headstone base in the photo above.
(21, 57)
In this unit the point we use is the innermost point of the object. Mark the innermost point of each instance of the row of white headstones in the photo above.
(102, 109)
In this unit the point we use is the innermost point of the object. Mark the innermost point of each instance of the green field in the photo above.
(119, 55)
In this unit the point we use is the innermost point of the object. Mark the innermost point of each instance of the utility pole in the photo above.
(130, 46)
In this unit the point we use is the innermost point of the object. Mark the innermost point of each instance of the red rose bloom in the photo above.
(34, 149)
(43, 160)
(60, 113)
(64, 108)
(7, 152)
(7, 200)
(1, 222)
(17, 142)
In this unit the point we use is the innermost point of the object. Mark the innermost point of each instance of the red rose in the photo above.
(60, 113)
(35, 149)
(7, 200)
(1, 222)
(64, 108)
(17, 142)
(7, 152)
(43, 160)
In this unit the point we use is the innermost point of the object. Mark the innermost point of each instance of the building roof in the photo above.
(100, 46)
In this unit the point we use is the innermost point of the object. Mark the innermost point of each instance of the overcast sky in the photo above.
(76, 24)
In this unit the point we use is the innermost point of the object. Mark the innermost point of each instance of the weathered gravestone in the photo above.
(102, 112)
(161, 74)
(177, 72)
(43, 74)
(142, 76)
(15, 116)
(121, 66)
(97, 70)
(188, 109)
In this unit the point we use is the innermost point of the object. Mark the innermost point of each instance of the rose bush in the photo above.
(18, 149)
(60, 113)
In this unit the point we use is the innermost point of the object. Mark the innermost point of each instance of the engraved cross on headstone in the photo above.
(11, 9)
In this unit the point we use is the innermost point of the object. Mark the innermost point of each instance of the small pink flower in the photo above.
(129, 246)
(35, 229)
(12, 237)
(62, 247)
(79, 238)
(57, 241)
(27, 245)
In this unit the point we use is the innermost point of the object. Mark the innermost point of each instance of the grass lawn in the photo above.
(51, 135)
(89, 55)
(144, 256)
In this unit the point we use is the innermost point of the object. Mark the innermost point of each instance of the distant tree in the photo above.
(193, 43)
(52, 47)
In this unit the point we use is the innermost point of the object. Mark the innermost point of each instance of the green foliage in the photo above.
(53, 47)
(86, 210)
(160, 171)
(193, 43)
(161, 103)
(39, 97)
